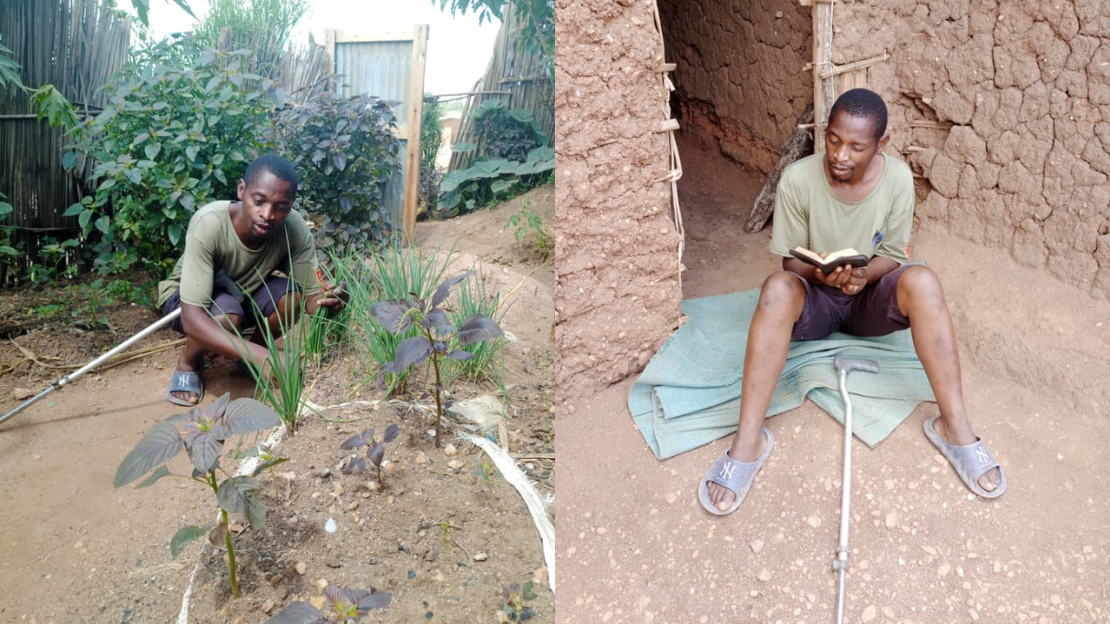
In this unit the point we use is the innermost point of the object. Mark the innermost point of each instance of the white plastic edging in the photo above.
(513, 474)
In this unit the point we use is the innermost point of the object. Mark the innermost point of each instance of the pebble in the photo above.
(888, 613)
(813, 521)
(319, 602)
(239, 620)
(22, 394)
(670, 498)
(332, 563)
(764, 575)
(1056, 599)
(302, 567)
(321, 585)
(481, 556)
(322, 473)
(78, 545)
(757, 545)
(868, 613)
(421, 458)
(891, 519)
(353, 506)
(944, 569)
(455, 464)
(268, 606)
(450, 450)
(330, 526)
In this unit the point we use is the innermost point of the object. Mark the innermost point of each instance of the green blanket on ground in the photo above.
(689, 394)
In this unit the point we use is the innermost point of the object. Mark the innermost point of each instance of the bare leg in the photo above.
(193, 354)
(280, 318)
(780, 304)
(921, 299)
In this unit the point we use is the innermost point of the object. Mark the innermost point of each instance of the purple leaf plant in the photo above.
(438, 334)
(375, 448)
(346, 605)
(202, 435)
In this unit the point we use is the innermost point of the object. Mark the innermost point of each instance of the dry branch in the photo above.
(798, 145)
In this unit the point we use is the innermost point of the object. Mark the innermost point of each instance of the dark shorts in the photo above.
(872, 312)
(266, 298)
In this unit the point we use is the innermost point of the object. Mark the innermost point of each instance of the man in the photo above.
(851, 195)
(232, 248)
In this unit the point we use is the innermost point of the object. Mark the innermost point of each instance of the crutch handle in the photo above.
(847, 365)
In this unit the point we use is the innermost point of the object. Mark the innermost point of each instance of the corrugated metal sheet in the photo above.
(382, 69)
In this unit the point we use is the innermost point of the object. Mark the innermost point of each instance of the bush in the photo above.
(345, 151)
(170, 140)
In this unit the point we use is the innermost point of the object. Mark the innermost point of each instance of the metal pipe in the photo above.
(165, 320)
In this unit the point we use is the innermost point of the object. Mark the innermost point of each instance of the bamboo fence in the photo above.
(302, 72)
(74, 45)
(517, 77)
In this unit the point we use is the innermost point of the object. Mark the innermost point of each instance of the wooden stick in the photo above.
(840, 69)
(799, 144)
(669, 125)
(940, 125)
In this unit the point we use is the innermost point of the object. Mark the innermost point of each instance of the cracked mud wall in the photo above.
(1001, 108)
(741, 82)
(617, 295)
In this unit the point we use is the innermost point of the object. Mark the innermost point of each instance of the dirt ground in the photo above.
(634, 544)
(76, 550)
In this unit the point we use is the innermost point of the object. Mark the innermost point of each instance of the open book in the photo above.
(849, 257)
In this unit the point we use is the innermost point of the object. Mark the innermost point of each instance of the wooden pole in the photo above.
(416, 114)
(824, 89)
(796, 146)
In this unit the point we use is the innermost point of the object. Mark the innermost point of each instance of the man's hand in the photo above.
(333, 297)
(857, 279)
(837, 279)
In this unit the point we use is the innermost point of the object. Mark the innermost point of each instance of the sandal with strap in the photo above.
(186, 381)
(970, 461)
(735, 475)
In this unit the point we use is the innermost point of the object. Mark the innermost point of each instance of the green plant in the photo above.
(486, 472)
(92, 302)
(507, 133)
(388, 275)
(53, 254)
(270, 23)
(513, 598)
(345, 152)
(7, 248)
(203, 439)
(171, 139)
(489, 180)
(46, 101)
(347, 605)
(473, 298)
(271, 458)
(375, 448)
(525, 221)
(446, 529)
(437, 334)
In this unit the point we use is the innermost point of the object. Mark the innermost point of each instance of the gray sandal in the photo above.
(186, 381)
(970, 461)
(734, 475)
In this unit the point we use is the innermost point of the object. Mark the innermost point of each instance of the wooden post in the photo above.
(329, 46)
(797, 146)
(416, 113)
(824, 89)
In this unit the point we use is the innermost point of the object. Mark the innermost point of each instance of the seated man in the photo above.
(233, 245)
(850, 196)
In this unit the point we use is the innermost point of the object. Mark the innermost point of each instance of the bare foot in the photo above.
(721, 496)
(990, 479)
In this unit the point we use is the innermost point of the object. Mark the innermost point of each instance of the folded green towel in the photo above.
(689, 394)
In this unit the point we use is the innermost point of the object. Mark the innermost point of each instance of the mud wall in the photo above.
(741, 83)
(617, 294)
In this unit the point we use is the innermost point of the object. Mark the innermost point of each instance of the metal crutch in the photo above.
(840, 563)
(93, 364)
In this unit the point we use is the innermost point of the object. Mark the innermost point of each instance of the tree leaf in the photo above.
(103, 224)
(232, 493)
(376, 600)
(461, 355)
(393, 314)
(298, 613)
(391, 433)
(162, 471)
(204, 449)
(191, 152)
(376, 454)
(217, 534)
(152, 150)
(174, 232)
(256, 510)
(158, 446)
(75, 209)
(183, 537)
(246, 415)
(409, 352)
(477, 328)
(444, 289)
(353, 442)
(437, 319)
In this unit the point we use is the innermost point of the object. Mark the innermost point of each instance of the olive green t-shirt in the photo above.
(808, 214)
(211, 244)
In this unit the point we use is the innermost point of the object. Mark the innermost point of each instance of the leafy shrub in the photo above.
(264, 26)
(171, 139)
(431, 133)
(491, 180)
(345, 151)
(508, 134)
(344, 606)
(525, 221)
(205, 431)
(436, 336)
(473, 298)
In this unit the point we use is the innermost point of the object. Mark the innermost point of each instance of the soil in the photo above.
(636, 546)
(77, 550)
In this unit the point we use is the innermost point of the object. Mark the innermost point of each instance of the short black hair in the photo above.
(281, 168)
(863, 103)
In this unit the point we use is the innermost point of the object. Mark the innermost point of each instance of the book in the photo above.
(849, 257)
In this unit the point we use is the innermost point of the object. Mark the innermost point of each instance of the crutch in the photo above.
(93, 364)
(840, 563)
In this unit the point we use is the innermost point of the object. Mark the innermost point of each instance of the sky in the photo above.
(458, 48)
